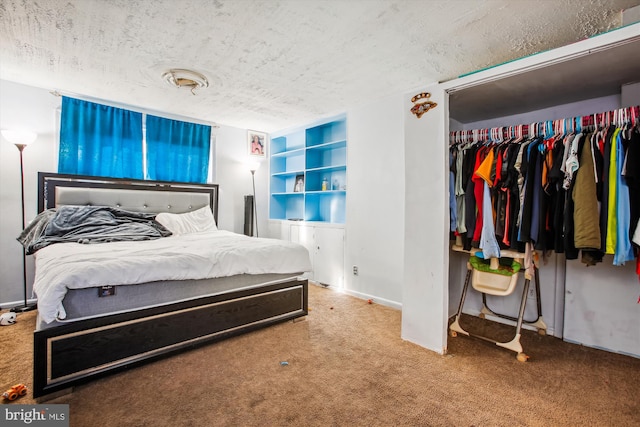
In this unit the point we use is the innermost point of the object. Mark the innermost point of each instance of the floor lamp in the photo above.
(253, 168)
(21, 139)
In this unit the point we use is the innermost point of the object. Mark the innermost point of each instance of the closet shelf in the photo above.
(287, 173)
(327, 192)
(290, 153)
(328, 146)
(327, 168)
(288, 194)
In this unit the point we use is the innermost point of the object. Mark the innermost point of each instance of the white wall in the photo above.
(234, 177)
(630, 93)
(27, 108)
(562, 111)
(37, 110)
(602, 307)
(375, 201)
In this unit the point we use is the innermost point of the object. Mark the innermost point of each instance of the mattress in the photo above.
(182, 259)
(87, 303)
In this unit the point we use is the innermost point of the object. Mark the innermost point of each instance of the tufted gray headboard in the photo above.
(132, 195)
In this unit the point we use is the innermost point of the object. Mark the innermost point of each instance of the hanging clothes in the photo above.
(612, 203)
(604, 202)
(557, 195)
(585, 213)
(623, 250)
(574, 191)
(632, 178)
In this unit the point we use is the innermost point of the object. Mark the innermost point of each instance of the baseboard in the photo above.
(373, 298)
(10, 304)
(54, 395)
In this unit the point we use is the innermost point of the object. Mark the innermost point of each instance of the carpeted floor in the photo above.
(348, 366)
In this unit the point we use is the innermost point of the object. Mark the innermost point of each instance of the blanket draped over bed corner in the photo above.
(89, 224)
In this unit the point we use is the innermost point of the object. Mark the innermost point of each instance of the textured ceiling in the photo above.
(276, 64)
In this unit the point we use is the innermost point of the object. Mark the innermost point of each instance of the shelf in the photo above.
(289, 153)
(288, 164)
(286, 206)
(600, 73)
(326, 156)
(287, 194)
(288, 143)
(319, 153)
(326, 206)
(327, 169)
(288, 173)
(328, 146)
(327, 192)
(325, 133)
(284, 183)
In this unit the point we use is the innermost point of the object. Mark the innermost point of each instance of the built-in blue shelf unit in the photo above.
(318, 155)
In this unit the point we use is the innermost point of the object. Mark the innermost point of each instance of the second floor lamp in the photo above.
(21, 139)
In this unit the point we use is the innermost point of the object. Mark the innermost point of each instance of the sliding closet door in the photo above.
(601, 306)
(425, 293)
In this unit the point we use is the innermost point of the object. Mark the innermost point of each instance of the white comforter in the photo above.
(201, 255)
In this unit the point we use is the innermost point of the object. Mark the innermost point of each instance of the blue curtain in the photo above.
(177, 151)
(99, 140)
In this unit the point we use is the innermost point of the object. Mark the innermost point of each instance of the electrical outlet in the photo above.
(532, 293)
(355, 270)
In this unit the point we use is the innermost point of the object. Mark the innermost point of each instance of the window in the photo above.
(177, 151)
(99, 140)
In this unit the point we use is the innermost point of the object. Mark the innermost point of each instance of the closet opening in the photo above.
(579, 304)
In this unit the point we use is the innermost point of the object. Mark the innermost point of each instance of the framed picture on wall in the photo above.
(257, 143)
(298, 185)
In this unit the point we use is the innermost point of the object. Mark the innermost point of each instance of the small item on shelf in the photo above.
(299, 185)
(325, 184)
(336, 185)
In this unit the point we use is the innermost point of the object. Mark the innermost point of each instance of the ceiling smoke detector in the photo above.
(185, 79)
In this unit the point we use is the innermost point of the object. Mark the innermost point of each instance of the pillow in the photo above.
(190, 222)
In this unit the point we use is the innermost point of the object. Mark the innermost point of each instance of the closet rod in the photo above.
(621, 116)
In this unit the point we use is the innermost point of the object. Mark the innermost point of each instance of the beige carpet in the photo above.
(347, 366)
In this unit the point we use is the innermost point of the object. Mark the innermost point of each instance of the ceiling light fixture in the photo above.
(180, 78)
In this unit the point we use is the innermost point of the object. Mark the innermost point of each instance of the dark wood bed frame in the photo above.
(78, 352)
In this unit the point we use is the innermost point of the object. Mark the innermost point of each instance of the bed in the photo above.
(110, 321)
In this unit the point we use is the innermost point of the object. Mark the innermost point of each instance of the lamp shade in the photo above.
(253, 166)
(19, 137)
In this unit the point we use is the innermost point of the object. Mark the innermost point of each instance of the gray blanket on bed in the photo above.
(89, 224)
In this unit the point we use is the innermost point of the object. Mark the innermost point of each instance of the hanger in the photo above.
(518, 134)
(599, 123)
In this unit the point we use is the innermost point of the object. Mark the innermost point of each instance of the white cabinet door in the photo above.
(304, 235)
(328, 263)
(278, 230)
(326, 249)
